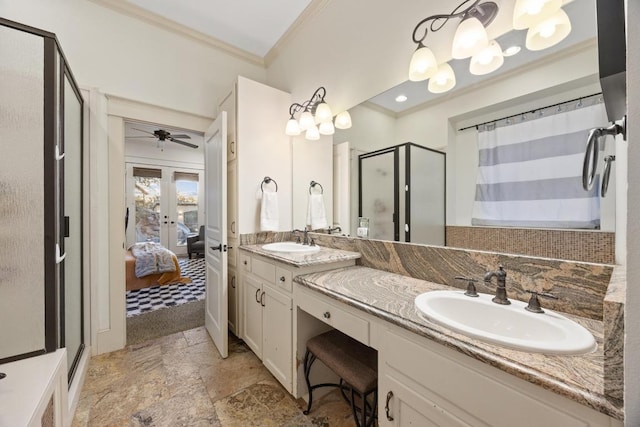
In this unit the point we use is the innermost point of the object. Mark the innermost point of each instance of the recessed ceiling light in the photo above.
(511, 50)
(401, 98)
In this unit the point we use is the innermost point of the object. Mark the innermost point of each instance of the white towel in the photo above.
(316, 216)
(269, 215)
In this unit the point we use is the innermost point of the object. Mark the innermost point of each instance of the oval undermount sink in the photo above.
(507, 325)
(291, 247)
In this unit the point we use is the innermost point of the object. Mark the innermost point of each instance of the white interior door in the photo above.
(216, 302)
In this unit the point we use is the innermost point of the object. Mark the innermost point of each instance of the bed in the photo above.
(134, 283)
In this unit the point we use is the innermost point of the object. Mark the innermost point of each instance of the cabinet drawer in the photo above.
(332, 314)
(264, 270)
(284, 279)
(245, 262)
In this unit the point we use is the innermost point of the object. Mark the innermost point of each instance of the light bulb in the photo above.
(293, 128)
(306, 121)
(312, 133)
(323, 113)
(470, 38)
(423, 64)
(547, 29)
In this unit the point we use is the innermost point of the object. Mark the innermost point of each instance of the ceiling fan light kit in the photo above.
(316, 118)
(547, 25)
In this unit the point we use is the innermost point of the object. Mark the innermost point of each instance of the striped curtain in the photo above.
(530, 173)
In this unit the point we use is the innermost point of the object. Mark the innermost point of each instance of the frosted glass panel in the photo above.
(427, 197)
(378, 195)
(21, 191)
(73, 210)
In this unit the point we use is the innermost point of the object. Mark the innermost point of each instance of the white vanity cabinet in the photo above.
(422, 383)
(267, 304)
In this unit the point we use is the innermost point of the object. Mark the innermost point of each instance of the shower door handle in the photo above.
(59, 258)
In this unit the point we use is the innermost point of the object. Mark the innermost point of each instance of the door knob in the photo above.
(220, 247)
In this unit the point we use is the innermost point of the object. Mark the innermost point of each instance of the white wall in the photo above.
(129, 58)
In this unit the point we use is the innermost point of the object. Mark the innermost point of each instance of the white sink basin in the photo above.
(291, 247)
(507, 325)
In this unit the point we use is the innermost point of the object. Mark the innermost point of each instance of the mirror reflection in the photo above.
(533, 87)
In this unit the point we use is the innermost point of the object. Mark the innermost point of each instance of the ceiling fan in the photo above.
(163, 135)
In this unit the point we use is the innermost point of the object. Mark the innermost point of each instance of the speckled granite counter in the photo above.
(390, 297)
(323, 256)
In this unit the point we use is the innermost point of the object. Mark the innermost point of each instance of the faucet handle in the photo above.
(534, 302)
(471, 287)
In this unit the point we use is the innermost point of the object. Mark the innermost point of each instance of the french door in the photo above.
(164, 205)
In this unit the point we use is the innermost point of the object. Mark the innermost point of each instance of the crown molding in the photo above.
(307, 14)
(126, 8)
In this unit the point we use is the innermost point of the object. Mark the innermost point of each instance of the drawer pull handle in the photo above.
(326, 315)
(262, 299)
(245, 262)
(233, 282)
(257, 292)
(282, 279)
(386, 406)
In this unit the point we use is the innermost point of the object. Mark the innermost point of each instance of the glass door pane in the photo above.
(147, 196)
(378, 194)
(186, 207)
(427, 196)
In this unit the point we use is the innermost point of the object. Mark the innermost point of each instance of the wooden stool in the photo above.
(355, 364)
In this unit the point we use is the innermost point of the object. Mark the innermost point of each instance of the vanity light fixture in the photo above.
(470, 40)
(316, 117)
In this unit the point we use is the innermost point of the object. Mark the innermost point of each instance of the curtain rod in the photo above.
(530, 111)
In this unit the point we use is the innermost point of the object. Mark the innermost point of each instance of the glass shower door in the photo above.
(378, 193)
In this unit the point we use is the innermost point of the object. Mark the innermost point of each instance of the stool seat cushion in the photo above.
(354, 362)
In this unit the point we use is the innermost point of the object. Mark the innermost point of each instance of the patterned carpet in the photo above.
(157, 297)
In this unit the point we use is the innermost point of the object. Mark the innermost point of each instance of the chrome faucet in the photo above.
(501, 288)
(305, 238)
(332, 229)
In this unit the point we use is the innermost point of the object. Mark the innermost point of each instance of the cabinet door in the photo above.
(277, 339)
(253, 314)
(401, 406)
(232, 277)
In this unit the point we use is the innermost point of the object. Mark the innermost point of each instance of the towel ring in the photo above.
(313, 184)
(268, 180)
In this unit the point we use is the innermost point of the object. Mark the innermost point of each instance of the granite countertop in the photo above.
(391, 297)
(323, 256)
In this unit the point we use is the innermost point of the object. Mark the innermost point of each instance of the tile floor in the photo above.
(180, 380)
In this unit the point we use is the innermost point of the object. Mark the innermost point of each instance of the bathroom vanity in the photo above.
(266, 295)
(428, 374)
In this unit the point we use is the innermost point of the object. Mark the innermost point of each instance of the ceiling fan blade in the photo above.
(183, 136)
(188, 144)
(150, 133)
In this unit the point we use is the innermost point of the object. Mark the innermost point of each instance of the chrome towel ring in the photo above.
(313, 184)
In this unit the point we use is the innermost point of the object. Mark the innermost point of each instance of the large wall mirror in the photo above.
(528, 81)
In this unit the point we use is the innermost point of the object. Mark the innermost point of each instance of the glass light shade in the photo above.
(423, 64)
(293, 128)
(306, 121)
(470, 38)
(487, 60)
(443, 80)
(312, 133)
(549, 32)
(326, 128)
(527, 13)
(343, 120)
(323, 113)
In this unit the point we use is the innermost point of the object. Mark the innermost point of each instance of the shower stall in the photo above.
(401, 190)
